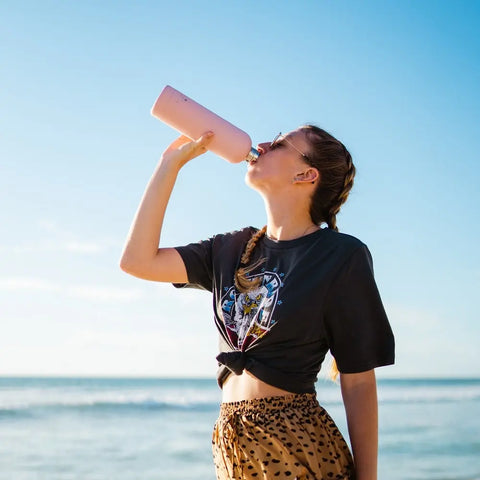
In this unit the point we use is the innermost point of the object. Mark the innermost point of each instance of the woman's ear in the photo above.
(310, 175)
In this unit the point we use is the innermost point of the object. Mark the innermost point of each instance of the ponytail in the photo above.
(337, 172)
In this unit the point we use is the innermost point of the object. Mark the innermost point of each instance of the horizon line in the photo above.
(208, 377)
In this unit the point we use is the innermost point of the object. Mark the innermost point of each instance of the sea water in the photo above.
(123, 428)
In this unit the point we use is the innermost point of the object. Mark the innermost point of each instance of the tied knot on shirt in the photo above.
(235, 361)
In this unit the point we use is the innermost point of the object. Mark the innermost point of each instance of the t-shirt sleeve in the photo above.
(197, 258)
(358, 331)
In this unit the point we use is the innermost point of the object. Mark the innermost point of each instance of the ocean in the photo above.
(146, 429)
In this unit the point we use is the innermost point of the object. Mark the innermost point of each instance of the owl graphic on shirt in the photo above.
(249, 316)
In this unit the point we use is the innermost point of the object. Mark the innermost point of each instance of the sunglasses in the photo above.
(277, 141)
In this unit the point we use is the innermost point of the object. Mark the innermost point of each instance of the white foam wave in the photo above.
(39, 398)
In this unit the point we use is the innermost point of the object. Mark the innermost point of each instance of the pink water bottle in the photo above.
(192, 119)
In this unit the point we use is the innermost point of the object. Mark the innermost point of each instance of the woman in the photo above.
(284, 296)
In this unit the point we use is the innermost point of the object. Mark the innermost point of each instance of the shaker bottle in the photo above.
(192, 119)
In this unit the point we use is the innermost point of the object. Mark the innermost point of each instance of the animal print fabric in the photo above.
(290, 437)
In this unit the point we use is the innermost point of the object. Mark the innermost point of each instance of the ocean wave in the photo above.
(20, 411)
(28, 403)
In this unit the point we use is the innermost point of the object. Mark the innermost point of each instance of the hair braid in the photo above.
(343, 195)
(241, 280)
(330, 157)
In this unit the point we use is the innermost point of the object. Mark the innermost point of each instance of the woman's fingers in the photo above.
(205, 139)
(184, 149)
(178, 142)
(188, 144)
(199, 146)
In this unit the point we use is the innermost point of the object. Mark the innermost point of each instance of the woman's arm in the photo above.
(359, 391)
(141, 256)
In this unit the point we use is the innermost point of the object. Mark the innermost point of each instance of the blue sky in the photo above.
(397, 82)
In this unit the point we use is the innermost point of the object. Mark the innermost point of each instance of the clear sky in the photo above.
(397, 82)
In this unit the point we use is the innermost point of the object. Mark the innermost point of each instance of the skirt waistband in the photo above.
(296, 400)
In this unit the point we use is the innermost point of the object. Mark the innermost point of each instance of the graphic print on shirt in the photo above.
(248, 316)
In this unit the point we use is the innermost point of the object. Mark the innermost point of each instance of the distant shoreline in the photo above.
(201, 378)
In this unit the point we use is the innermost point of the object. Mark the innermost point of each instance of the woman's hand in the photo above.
(183, 149)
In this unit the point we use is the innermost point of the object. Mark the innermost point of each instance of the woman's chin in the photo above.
(255, 184)
(251, 179)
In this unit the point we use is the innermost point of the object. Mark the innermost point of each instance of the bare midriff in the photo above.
(247, 387)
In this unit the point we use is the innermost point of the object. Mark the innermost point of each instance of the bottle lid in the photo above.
(252, 156)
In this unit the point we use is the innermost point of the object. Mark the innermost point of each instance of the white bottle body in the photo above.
(192, 119)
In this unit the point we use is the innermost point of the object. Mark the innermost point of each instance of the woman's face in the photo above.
(279, 162)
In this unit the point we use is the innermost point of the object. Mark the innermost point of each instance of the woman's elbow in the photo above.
(128, 265)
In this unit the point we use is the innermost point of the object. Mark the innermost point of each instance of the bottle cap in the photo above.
(252, 156)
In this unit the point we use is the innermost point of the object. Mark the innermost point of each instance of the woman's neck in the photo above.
(287, 220)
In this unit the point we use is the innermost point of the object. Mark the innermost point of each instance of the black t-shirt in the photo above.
(317, 293)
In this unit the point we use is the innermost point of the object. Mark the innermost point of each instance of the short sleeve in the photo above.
(197, 258)
(358, 331)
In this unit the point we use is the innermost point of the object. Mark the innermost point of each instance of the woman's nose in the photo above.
(263, 147)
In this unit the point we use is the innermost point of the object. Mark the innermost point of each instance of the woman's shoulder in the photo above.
(234, 237)
(346, 239)
(344, 242)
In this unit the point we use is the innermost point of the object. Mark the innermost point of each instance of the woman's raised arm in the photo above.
(141, 255)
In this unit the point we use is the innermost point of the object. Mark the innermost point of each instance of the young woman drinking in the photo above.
(284, 295)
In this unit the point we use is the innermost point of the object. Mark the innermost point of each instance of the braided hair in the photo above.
(243, 283)
(330, 157)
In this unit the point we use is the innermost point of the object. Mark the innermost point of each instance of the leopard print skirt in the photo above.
(289, 437)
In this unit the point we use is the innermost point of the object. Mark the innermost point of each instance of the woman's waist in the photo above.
(246, 386)
(251, 377)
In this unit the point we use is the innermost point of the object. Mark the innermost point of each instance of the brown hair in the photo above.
(330, 157)
(242, 281)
